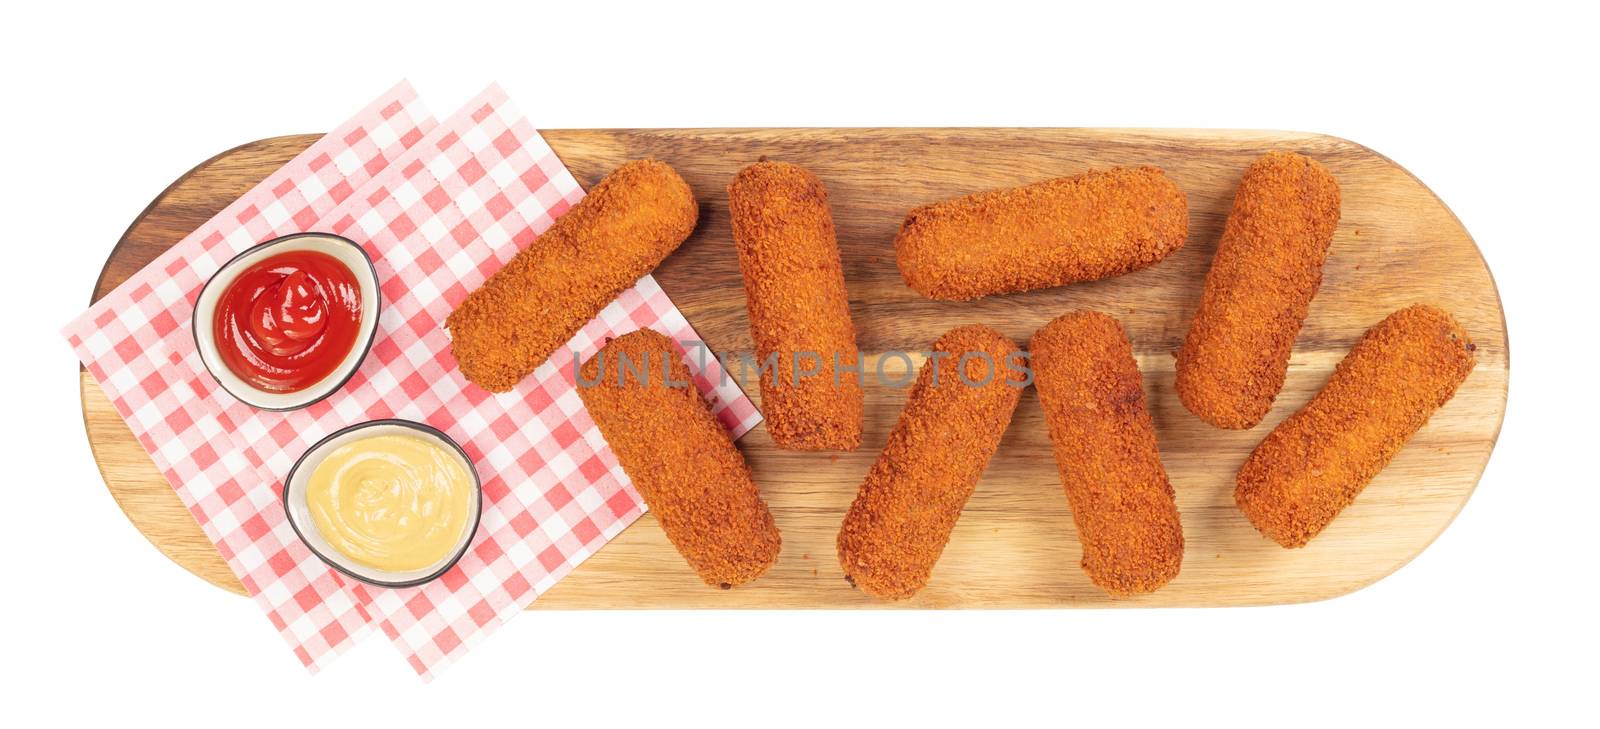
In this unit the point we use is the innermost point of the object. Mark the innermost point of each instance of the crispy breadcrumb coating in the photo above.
(1093, 226)
(1105, 447)
(619, 232)
(680, 458)
(904, 513)
(1267, 267)
(799, 311)
(1314, 464)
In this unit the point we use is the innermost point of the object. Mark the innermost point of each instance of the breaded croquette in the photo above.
(1105, 447)
(1267, 267)
(1093, 226)
(1314, 464)
(799, 311)
(619, 232)
(682, 461)
(950, 427)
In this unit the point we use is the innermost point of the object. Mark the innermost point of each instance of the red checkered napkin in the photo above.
(478, 189)
(136, 343)
(448, 211)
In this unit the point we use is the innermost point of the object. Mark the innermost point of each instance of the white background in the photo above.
(1493, 110)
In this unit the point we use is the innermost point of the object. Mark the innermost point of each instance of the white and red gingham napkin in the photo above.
(439, 207)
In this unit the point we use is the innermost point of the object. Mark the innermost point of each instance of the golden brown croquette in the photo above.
(1314, 464)
(1095, 225)
(1105, 447)
(951, 426)
(799, 311)
(619, 232)
(682, 461)
(1267, 267)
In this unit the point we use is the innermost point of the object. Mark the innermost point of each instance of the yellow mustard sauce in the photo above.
(391, 502)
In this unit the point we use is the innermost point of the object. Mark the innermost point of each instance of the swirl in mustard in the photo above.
(395, 503)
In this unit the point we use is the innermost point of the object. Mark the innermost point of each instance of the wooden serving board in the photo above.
(1015, 545)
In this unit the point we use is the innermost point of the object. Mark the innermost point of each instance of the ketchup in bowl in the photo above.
(288, 321)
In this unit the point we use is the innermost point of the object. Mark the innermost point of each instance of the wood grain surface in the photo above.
(1015, 545)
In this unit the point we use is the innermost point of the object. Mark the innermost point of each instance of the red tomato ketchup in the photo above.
(288, 321)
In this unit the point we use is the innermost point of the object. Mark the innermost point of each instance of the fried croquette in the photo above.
(799, 311)
(682, 461)
(619, 232)
(951, 425)
(1095, 225)
(1267, 268)
(1314, 464)
(1105, 447)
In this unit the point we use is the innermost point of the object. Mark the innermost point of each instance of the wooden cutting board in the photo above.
(1015, 545)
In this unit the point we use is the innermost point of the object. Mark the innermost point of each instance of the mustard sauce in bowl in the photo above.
(389, 502)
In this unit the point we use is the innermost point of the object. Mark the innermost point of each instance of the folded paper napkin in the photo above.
(438, 207)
